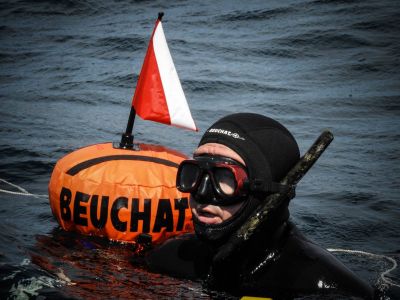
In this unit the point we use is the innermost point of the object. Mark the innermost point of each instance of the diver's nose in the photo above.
(205, 187)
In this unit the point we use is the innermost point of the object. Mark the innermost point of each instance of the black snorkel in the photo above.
(263, 214)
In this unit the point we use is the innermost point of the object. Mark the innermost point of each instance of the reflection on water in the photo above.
(66, 265)
(69, 265)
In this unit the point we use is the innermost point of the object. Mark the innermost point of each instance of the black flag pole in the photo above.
(127, 137)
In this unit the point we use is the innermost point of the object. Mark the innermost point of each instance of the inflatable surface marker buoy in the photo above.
(120, 194)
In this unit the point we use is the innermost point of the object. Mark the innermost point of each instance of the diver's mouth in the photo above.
(208, 217)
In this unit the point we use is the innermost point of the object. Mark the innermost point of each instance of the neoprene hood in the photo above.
(266, 146)
(269, 151)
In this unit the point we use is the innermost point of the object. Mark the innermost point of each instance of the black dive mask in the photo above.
(213, 180)
(219, 180)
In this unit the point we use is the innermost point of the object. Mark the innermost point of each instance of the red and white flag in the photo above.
(159, 95)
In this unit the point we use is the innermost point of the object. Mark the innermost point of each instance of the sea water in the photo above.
(68, 70)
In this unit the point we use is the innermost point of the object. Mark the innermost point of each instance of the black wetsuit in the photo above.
(281, 267)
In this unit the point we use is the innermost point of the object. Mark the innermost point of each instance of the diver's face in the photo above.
(208, 213)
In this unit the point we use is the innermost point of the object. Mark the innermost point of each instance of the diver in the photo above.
(279, 261)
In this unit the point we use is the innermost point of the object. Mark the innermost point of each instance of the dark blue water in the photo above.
(68, 70)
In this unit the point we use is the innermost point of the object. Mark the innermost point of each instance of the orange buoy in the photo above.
(120, 194)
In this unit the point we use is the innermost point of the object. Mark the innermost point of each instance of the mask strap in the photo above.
(258, 185)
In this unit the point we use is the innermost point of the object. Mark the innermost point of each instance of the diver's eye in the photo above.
(189, 176)
(225, 180)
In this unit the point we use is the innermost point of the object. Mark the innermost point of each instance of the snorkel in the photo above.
(262, 215)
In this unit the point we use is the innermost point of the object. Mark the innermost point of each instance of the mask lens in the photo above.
(225, 180)
(188, 176)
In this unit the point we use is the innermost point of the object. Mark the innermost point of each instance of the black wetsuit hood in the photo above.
(269, 151)
(266, 146)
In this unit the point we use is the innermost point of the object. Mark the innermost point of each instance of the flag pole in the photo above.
(127, 137)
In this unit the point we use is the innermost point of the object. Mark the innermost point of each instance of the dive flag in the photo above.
(159, 95)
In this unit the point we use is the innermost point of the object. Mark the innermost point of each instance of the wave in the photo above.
(18, 57)
(121, 43)
(53, 8)
(372, 105)
(279, 52)
(122, 81)
(6, 30)
(255, 15)
(25, 170)
(10, 151)
(217, 86)
(387, 24)
(337, 1)
(316, 40)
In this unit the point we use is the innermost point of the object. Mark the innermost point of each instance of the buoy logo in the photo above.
(123, 214)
